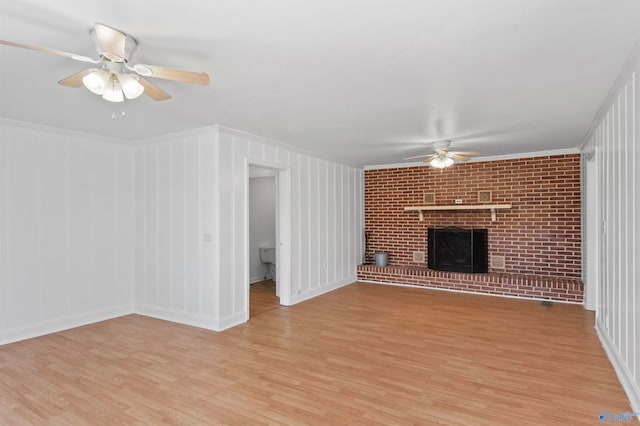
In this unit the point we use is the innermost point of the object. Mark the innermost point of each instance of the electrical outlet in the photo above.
(458, 201)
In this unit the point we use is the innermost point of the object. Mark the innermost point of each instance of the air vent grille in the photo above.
(497, 262)
(484, 196)
(429, 198)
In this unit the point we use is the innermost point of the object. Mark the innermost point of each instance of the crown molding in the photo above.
(632, 63)
(200, 131)
(208, 130)
(278, 144)
(516, 156)
(60, 131)
(168, 137)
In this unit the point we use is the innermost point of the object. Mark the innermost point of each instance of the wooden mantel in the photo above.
(491, 207)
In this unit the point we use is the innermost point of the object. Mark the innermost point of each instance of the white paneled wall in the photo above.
(192, 190)
(90, 229)
(175, 193)
(325, 217)
(66, 230)
(612, 150)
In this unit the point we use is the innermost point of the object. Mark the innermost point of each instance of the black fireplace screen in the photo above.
(458, 250)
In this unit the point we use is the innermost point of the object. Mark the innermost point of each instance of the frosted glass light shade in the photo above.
(113, 91)
(441, 162)
(96, 81)
(130, 86)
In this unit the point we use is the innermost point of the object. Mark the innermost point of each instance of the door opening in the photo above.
(268, 238)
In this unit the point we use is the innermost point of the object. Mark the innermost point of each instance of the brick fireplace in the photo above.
(539, 238)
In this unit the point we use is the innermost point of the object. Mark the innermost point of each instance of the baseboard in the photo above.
(323, 289)
(256, 279)
(60, 324)
(506, 296)
(624, 375)
(208, 323)
(231, 321)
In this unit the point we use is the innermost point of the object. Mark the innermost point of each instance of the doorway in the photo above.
(267, 224)
(263, 294)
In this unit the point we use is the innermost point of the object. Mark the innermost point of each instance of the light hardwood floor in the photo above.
(262, 298)
(362, 355)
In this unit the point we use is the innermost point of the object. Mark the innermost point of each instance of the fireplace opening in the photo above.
(458, 250)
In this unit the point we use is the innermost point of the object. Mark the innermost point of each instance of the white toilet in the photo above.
(268, 257)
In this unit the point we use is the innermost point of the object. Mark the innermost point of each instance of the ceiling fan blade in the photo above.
(153, 91)
(467, 152)
(74, 80)
(430, 158)
(172, 74)
(112, 42)
(50, 51)
(457, 156)
(418, 156)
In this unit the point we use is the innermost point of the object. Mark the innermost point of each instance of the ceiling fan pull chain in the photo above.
(123, 114)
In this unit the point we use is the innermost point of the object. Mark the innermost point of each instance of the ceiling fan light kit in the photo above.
(96, 81)
(111, 86)
(110, 80)
(130, 85)
(441, 162)
(113, 91)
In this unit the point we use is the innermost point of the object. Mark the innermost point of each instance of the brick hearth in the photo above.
(523, 286)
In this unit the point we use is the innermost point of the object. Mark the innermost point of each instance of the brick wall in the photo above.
(540, 235)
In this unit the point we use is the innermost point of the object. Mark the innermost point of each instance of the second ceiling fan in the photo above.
(442, 157)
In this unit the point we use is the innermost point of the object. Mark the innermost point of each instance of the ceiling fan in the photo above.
(109, 77)
(443, 158)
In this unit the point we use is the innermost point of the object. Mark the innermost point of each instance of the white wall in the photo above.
(195, 184)
(262, 222)
(66, 230)
(176, 214)
(613, 147)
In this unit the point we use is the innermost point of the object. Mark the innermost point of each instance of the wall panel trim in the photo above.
(60, 324)
(326, 288)
(623, 372)
(179, 317)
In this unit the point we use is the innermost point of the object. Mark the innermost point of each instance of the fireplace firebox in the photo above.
(458, 250)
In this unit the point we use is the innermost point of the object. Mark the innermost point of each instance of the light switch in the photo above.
(207, 238)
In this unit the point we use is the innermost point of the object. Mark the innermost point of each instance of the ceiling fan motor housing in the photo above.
(441, 145)
(130, 46)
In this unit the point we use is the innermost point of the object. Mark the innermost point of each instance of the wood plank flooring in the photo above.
(262, 297)
(362, 355)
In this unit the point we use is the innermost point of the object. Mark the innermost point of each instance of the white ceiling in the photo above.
(367, 82)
